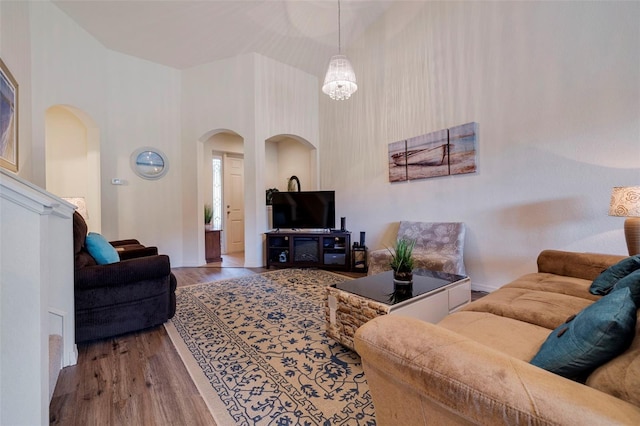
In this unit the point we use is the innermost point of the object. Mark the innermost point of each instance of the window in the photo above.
(217, 192)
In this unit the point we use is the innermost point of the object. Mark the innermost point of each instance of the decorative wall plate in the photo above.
(149, 163)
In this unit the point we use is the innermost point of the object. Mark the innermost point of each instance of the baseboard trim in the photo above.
(483, 287)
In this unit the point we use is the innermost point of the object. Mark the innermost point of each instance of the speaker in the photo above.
(361, 239)
(343, 224)
(335, 258)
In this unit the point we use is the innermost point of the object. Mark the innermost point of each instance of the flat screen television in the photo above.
(304, 210)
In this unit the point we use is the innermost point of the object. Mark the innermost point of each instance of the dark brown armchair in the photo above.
(135, 293)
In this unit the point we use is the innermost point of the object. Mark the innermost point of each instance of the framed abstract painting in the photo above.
(8, 119)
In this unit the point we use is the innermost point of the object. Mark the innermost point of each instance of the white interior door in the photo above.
(234, 202)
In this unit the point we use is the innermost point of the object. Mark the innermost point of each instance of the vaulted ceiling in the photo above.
(187, 33)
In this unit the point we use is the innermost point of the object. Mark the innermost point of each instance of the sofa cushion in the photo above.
(553, 283)
(597, 334)
(542, 308)
(619, 377)
(580, 265)
(100, 249)
(515, 338)
(84, 259)
(610, 276)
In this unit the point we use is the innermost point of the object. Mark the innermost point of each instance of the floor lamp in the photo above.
(625, 201)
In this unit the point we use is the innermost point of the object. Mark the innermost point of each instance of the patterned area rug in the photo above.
(257, 351)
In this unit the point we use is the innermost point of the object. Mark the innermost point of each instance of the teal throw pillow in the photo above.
(100, 249)
(597, 334)
(610, 276)
(632, 282)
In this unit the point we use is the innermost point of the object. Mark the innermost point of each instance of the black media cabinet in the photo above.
(300, 249)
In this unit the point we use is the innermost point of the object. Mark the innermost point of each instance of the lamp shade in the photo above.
(340, 81)
(625, 201)
(81, 205)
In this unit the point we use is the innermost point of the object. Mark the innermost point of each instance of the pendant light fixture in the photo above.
(340, 81)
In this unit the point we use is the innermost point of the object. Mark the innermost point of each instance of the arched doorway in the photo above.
(72, 159)
(221, 186)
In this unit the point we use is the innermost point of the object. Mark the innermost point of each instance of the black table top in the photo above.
(381, 288)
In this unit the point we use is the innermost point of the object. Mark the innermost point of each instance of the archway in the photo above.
(221, 186)
(287, 156)
(72, 159)
(290, 155)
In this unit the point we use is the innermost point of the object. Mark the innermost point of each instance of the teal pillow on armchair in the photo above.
(100, 249)
(597, 334)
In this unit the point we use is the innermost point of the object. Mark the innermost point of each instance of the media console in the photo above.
(326, 250)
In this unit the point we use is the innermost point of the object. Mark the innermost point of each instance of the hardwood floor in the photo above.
(135, 379)
(138, 378)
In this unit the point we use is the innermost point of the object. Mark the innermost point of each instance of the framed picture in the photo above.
(463, 144)
(8, 119)
(398, 161)
(428, 155)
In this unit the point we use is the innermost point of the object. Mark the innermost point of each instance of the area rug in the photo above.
(257, 351)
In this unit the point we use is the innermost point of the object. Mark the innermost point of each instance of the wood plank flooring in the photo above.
(138, 378)
(135, 379)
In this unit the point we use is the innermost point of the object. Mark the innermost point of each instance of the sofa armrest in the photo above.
(420, 373)
(132, 253)
(123, 273)
(579, 265)
(117, 243)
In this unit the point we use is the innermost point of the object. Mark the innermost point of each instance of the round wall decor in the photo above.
(149, 163)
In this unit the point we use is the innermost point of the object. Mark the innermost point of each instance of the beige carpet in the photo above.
(257, 351)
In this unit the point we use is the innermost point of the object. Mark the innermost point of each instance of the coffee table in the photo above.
(352, 303)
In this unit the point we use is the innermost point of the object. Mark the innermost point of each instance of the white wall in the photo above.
(289, 157)
(133, 102)
(15, 51)
(66, 154)
(143, 110)
(296, 159)
(554, 87)
(256, 98)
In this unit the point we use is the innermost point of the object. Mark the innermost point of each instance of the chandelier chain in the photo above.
(339, 31)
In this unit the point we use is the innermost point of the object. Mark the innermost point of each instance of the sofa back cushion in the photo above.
(437, 237)
(79, 232)
(619, 377)
(580, 265)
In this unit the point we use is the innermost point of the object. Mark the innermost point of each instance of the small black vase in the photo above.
(402, 278)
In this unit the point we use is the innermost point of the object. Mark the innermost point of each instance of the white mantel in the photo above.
(36, 296)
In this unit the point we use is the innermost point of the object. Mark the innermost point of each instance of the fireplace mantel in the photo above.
(36, 296)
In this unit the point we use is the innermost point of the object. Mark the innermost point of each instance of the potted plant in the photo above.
(402, 261)
(208, 214)
(270, 192)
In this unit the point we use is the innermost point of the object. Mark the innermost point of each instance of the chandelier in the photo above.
(340, 81)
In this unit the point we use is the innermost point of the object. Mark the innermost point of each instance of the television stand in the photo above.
(309, 249)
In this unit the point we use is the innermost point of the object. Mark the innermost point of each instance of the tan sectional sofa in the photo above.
(473, 366)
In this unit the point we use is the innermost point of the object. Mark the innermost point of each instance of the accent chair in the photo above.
(134, 292)
(439, 247)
